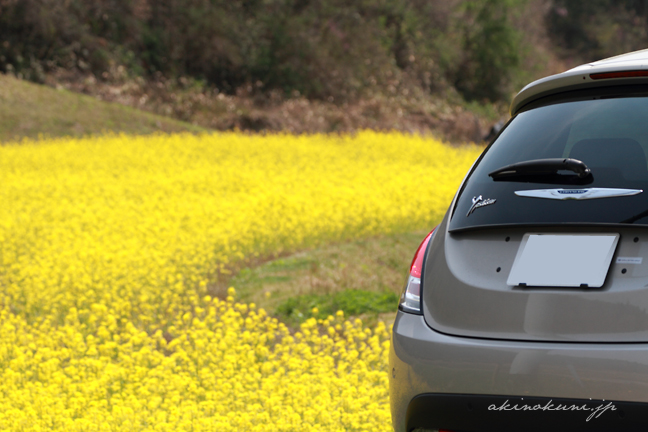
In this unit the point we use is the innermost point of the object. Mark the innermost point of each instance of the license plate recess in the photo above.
(563, 260)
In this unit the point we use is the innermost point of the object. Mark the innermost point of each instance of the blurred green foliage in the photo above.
(589, 30)
(324, 49)
(491, 49)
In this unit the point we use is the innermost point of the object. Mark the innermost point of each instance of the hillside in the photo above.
(448, 68)
(441, 67)
(29, 110)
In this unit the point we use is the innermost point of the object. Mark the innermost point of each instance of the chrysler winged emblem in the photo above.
(479, 202)
(577, 194)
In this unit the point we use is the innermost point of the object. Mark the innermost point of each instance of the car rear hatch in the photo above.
(550, 255)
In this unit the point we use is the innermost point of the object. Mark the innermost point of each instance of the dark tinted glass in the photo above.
(607, 131)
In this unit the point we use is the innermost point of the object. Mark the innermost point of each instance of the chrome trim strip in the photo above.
(577, 194)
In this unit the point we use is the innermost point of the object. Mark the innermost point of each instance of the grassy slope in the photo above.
(28, 110)
(377, 265)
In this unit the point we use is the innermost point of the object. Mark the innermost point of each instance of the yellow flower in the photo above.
(111, 249)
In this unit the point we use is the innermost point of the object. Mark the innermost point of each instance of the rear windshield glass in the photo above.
(607, 131)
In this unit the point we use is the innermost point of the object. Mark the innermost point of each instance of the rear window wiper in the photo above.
(541, 167)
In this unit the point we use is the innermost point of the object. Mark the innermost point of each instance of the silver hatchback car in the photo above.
(526, 309)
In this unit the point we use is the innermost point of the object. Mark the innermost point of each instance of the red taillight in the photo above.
(623, 74)
(410, 300)
(417, 262)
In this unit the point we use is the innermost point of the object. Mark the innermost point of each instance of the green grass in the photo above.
(32, 110)
(362, 277)
(353, 302)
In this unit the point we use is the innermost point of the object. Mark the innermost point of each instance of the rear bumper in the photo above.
(429, 370)
(505, 414)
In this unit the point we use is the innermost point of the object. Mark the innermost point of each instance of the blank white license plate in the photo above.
(563, 260)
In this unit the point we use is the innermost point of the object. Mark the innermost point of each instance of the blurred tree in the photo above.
(326, 49)
(491, 50)
(589, 30)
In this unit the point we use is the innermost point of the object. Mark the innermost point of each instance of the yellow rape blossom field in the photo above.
(109, 246)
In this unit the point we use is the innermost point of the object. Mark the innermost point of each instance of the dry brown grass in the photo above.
(402, 108)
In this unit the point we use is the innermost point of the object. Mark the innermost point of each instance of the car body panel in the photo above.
(579, 78)
(464, 294)
(425, 361)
